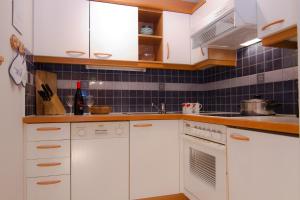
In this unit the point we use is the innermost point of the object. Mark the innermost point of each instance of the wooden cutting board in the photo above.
(44, 77)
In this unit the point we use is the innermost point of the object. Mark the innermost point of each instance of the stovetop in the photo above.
(222, 114)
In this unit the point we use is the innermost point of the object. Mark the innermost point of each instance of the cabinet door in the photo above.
(264, 167)
(154, 158)
(61, 28)
(198, 54)
(114, 31)
(176, 38)
(239, 165)
(282, 13)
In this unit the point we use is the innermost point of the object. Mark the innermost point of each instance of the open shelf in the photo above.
(149, 39)
(150, 46)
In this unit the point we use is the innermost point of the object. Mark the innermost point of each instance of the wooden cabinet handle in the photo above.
(272, 23)
(75, 52)
(43, 129)
(142, 125)
(49, 164)
(103, 54)
(48, 182)
(48, 147)
(239, 137)
(168, 51)
(1, 60)
(202, 52)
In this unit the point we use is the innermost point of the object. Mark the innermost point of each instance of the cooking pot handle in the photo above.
(272, 104)
(257, 96)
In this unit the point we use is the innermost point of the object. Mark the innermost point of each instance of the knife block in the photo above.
(54, 106)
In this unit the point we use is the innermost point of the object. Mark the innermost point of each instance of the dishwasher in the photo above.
(100, 161)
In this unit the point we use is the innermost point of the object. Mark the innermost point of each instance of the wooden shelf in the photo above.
(150, 39)
(151, 44)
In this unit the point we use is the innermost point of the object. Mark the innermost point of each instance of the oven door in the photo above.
(204, 168)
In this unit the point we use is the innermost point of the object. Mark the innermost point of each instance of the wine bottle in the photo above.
(78, 101)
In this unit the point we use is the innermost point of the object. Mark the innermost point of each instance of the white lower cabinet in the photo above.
(262, 166)
(154, 158)
(47, 161)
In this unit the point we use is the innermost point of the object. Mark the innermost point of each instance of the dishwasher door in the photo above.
(100, 163)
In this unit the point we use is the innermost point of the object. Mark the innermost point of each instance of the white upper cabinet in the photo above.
(274, 16)
(113, 31)
(176, 36)
(61, 28)
(262, 166)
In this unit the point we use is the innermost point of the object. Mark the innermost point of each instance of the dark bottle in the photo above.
(78, 101)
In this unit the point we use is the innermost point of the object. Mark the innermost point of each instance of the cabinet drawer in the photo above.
(48, 149)
(47, 167)
(49, 188)
(50, 131)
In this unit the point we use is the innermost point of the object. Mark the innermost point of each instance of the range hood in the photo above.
(228, 26)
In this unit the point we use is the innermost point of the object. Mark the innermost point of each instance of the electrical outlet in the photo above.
(161, 87)
(260, 78)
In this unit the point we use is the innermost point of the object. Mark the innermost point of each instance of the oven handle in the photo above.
(204, 142)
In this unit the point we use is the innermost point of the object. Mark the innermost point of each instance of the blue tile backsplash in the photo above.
(217, 88)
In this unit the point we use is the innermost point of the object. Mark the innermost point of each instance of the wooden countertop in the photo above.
(279, 124)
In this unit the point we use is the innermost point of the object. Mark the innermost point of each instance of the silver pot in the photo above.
(257, 107)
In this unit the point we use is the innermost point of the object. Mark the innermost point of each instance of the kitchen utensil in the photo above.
(47, 94)
(42, 95)
(258, 107)
(103, 109)
(49, 90)
(43, 77)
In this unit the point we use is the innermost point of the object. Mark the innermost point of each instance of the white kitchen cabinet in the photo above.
(113, 31)
(47, 161)
(274, 16)
(154, 158)
(262, 166)
(176, 36)
(61, 28)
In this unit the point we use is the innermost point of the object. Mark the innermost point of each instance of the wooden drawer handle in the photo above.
(239, 137)
(75, 52)
(48, 147)
(272, 23)
(48, 182)
(1, 60)
(142, 125)
(48, 129)
(103, 54)
(49, 164)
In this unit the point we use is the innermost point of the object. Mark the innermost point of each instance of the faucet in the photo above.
(161, 109)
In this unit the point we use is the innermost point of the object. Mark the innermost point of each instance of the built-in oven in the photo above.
(204, 161)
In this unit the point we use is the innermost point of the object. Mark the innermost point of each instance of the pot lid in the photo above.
(254, 101)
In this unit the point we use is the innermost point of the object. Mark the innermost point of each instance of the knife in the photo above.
(47, 95)
(42, 95)
(49, 90)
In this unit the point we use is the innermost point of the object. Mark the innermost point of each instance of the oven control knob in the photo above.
(81, 133)
(216, 136)
(119, 131)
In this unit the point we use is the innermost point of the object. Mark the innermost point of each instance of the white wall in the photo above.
(12, 107)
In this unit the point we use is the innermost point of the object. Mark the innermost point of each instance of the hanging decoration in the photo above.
(18, 69)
